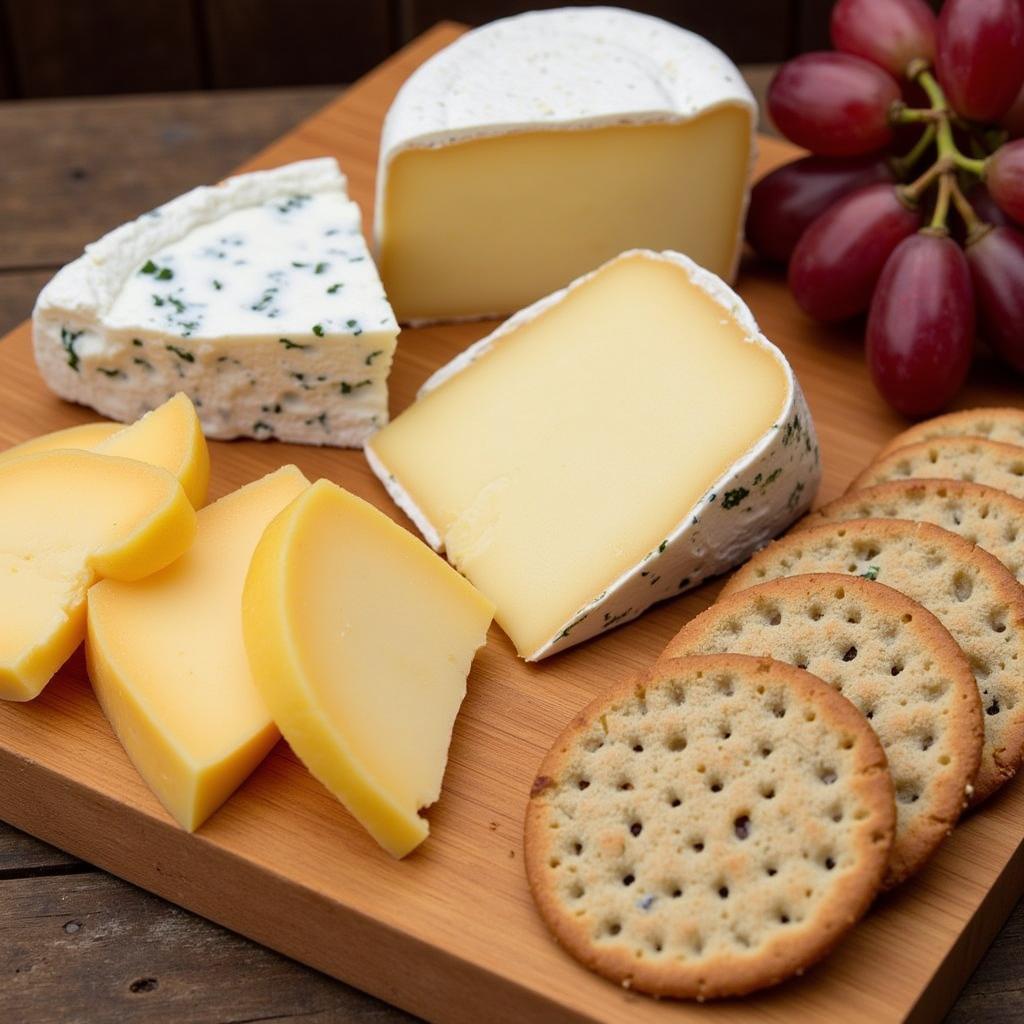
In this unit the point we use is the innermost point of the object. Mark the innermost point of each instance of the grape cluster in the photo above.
(911, 205)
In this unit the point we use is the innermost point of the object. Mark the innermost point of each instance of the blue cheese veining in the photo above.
(257, 297)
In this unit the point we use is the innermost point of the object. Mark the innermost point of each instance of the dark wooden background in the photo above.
(99, 47)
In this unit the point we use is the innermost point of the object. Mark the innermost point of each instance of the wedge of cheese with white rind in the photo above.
(67, 519)
(83, 436)
(360, 639)
(171, 436)
(613, 445)
(533, 149)
(256, 297)
(168, 663)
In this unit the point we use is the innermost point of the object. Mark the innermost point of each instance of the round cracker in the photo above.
(997, 424)
(994, 520)
(894, 661)
(710, 828)
(968, 590)
(954, 458)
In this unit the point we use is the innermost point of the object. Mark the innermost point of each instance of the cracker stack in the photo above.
(808, 740)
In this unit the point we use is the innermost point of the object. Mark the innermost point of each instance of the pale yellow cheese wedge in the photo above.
(168, 663)
(360, 640)
(171, 437)
(68, 518)
(85, 435)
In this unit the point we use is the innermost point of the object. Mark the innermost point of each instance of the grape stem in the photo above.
(976, 227)
(938, 222)
(901, 114)
(903, 165)
(912, 193)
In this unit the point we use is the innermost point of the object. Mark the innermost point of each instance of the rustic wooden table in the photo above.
(76, 944)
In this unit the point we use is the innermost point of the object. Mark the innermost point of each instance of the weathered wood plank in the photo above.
(74, 169)
(748, 30)
(18, 293)
(284, 42)
(22, 856)
(103, 46)
(93, 948)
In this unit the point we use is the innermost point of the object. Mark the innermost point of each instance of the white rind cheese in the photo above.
(769, 487)
(257, 297)
(558, 70)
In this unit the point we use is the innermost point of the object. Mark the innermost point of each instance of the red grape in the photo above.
(1004, 177)
(980, 55)
(833, 104)
(783, 203)
(839, 257)
(921, 325)
(1013, 119)
(889, 33)
(996, 260)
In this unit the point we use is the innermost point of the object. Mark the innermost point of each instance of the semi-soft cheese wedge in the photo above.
(167, 659)
(536, 147)
(613, 445)
(171, 437)
(68, 518)
(256, 297)
(84, 436)
(360, 640)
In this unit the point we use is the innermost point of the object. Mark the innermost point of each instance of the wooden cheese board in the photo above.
(450, 933)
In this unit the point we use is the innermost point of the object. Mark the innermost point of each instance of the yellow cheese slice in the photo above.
(610, 446)
(168, 663)
(171, 437)
(361, 639)
(85, 435)
(68, 518)
(487, 226)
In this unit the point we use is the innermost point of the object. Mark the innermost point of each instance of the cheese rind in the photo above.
(68, 518)
(611, 446)
(168, 663)
(360, 640)
(534, 148)
(257, 297)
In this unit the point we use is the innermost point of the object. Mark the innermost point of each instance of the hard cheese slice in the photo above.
(84, 436)
(68, 518)
(610, 446)
(256, 297)
(168, 662)
(171, 437)
(536, 147)
(360, 640)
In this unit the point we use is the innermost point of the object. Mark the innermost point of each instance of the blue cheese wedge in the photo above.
(613, 445)
(256, 297)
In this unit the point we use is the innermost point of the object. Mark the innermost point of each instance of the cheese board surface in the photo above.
(450, 933)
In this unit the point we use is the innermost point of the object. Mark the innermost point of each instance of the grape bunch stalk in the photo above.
(910, 207)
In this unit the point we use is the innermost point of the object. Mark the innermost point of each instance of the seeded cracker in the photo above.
(968, 590)
(954, 458)
(1003, 425)
(710, 828)
(994, 520)
(894, 661)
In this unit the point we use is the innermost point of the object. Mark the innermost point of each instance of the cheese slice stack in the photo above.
(360, 640)
(612, 445)
(257, 298)
(169, 666)
(536, 147)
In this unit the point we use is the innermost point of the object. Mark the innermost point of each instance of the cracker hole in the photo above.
(723, 892)
(767, 790)
(993, 708)
(636, 828)
(963, 586)
(839, 593)
(906, 617)
(613, 928)
(927, 741)
(676, 742)
(554, 862)
(593, 743)
(846, 743)
(810, 716)
(850, 653)
(827, 775)
(674, 801)
(628, 879)
(576, 891)
(698, 846)
(741, 826)
(772, 616)
(766, 751)
(853, 617)
(583, 783)
(638, 748)
(836, 813)
(815, 612)
(997, 622)
(577, 848)
(896, 669)
(944, 759)
(625, 785)
(715, 785)
(829, 863)
(778, 710)
(771, 870)
(724, 731)
(726, 686)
